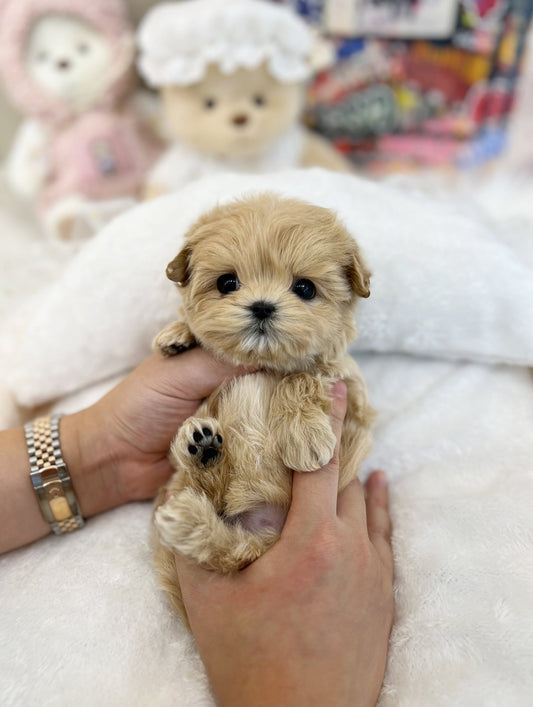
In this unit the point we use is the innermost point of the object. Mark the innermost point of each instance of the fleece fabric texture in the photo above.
(443, 284)
(454, 436)
(456, 441)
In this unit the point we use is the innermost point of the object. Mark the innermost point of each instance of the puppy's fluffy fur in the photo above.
(270, 283)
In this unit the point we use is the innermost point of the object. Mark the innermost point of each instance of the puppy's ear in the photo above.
(358, 273)
(178, 270)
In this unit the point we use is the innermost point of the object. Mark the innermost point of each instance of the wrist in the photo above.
(92, 461)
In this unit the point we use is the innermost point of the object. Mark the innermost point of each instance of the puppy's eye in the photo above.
(259, 100)
(305, 289)
(227, 283)
(209, 103)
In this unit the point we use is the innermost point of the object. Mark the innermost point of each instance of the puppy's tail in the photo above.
(188, 523)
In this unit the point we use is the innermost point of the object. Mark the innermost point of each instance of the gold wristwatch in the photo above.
(49, 476)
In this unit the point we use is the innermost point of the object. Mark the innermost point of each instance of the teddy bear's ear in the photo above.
(358, 274)
(178, 270)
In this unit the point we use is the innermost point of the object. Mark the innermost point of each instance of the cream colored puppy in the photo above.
(270, 283)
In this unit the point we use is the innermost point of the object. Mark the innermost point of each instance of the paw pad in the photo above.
(205, 446)
(174, 349)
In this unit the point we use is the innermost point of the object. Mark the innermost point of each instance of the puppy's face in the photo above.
(271, 282)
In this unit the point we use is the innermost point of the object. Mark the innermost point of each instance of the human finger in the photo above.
(314, 494)
(193, 374)
(351, 507)
(378, 517)
(194, 580)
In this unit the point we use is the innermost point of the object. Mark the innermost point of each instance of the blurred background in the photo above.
(9, 118)
(421, 83)
(440, 84)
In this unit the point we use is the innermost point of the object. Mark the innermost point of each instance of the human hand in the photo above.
(117, 448)
(307, 623)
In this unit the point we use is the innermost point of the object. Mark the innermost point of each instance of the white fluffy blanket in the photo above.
(82, 619)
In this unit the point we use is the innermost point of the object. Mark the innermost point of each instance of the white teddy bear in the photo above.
(232, 76)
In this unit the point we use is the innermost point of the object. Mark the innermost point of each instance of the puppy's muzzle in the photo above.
(262, 310)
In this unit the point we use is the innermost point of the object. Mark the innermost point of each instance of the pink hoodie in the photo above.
(102, 153)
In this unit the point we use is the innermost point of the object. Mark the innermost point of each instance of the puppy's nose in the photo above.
(262, 310)
(63, 64)
(240, 119)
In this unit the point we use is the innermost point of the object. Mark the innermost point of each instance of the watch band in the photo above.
(49, 476)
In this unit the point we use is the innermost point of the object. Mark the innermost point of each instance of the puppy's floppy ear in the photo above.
(358, 273)
(178, 270)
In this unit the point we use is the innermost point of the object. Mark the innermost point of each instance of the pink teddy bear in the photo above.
(84, 149)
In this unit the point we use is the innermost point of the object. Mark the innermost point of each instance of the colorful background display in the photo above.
(397, 103)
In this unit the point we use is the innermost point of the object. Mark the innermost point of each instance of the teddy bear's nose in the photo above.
(240, 119)
(63, 64)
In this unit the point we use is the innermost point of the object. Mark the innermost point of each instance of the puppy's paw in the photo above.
(181, 520)
(308, 447)
(198, 443)
(205, 445)
(174, 339)
(301, 425)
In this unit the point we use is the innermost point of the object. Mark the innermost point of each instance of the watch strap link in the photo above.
(50, 477)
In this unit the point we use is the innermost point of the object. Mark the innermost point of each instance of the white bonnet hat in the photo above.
(178, 41)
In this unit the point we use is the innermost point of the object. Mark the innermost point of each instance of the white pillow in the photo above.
(443, 284)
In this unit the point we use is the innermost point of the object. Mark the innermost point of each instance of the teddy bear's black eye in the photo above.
(259, 100)
(209, 103)
(227, 283)
(305, 289)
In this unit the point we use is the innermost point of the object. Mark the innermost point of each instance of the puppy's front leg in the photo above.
(301, 426)
(175, 338)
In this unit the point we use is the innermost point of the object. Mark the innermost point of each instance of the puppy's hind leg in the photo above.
(188, 524)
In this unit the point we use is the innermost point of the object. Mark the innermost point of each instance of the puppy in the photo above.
(270, 283)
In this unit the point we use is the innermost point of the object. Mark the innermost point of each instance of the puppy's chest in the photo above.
(244, 409)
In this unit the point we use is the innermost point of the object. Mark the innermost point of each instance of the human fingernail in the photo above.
(379, 478)
(339, 389)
